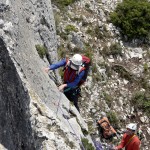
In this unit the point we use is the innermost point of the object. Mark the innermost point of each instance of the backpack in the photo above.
(107, 130)
(85, 66)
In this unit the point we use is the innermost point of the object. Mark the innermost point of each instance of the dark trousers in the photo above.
(73, 96)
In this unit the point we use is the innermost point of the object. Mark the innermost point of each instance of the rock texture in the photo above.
(33, 114)
(15, 126)
(114, 78)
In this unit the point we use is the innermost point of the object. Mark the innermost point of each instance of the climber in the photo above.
(129, 141)
(106, 130)
(74, 71)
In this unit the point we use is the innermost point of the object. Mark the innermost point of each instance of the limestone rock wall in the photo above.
(15, 127)
(30, 115)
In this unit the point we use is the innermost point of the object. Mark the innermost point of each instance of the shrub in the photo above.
(86, 144)
(94, 68)
(123, 72)
(113, 118)
(141, 100)
(143, 81)
(115, 49)
(108, 99)
(78, 19)
(63, 35)
(133, 18)
(70, 28)
(96, 77)
(61, 51)
(76, 49)
(63, 3)
(88, 51)
(95, 32)
(42, 50)
(57, 19)
(98, 33)
(90, 32)
(145, 66)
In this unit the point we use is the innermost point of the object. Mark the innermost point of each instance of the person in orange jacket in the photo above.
(129, 141)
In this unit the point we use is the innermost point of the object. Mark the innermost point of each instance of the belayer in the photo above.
(75, 74)
(130, 141)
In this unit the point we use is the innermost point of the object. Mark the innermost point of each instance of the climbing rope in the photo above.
(58, 103)
(58, 106)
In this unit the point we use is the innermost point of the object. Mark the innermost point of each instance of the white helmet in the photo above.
(132, 126)
(76, 59)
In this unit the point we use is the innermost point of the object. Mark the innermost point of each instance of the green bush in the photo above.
(86, 144)
(123, 72)
(115, 49)
(141, 100)
(113, 119)
(108, 99)
(61, 51)
(63, 35)
(42, 50)
(70, 28)
(133, 18)
(63, 3)
(90, 31)
(95, 32)
(88, 51)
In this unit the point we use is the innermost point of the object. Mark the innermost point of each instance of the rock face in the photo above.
(15, 127)
(33, 114)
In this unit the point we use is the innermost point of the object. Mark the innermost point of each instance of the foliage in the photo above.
(123, 72)
(87, 7)
(57, 18)
(70, 28)
(77, 19)
(98, 33)
(88, 52)
(145, 66)
(86, 144)
(91, 128)
(63, 35)
(96, 77)
(115, 49)
(94, 68)
(113, 119)
(90, 31)
(77, 49)
(61, 51)
(144, 82)
(133, 18)
(108, 99)
(141, 100)
(63, 3)
(95, 32)
(42, 50)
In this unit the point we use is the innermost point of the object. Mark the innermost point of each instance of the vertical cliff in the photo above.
(15, 127)
(33, 114)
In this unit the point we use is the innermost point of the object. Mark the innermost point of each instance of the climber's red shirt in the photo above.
(134, 144)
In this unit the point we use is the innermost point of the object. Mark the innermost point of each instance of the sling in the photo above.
(130, 140)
